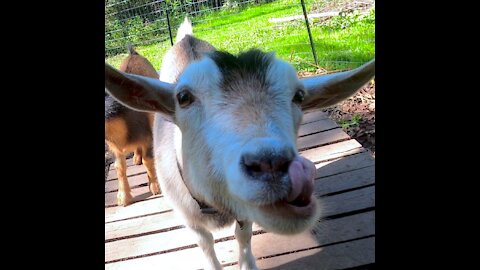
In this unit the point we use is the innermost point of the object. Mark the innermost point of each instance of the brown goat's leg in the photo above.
(152, 175)
(124, 197)
(137, 156)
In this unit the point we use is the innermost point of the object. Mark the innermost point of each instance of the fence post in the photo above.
(168, 22)
(309, 33)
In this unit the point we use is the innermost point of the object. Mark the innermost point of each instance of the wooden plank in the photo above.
(131, 170)
(129, 163)
(142, 225)
(347, 202)
(139, 194)
(158, 242)
(314, 116)
(330, 167)
(333, 205)
(321, 138)
(332, 151)
(332, 231)
(340, 256)
(344, 181)
(335, 183)
(317, 126)
(142, 208)
(134, 181)
(344, 164)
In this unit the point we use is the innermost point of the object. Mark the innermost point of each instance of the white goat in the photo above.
(225, 137)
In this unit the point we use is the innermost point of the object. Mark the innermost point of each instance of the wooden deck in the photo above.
(147, 235)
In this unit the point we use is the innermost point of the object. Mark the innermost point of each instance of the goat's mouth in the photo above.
(301, 207)
(300, 201)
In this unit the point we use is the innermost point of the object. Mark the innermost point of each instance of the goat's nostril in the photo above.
(259, 166)
(280, 164)
(255, 167)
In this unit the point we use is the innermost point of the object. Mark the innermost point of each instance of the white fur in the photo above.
(184, 29)
(208, 140)
(213, 142)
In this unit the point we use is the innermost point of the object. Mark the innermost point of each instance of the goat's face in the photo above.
(239, 118)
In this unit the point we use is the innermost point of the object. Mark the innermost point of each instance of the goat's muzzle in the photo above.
(267, 165)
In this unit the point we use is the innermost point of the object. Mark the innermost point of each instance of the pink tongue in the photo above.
(302, 173)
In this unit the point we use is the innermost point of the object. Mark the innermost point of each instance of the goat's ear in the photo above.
(140, 93)
(327, 90)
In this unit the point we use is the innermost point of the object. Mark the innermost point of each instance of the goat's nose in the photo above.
(267, 165)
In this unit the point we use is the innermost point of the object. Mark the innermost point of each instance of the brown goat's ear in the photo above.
(327, 90)
(140, 93)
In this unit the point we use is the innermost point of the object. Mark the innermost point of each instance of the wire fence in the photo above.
(311, 34)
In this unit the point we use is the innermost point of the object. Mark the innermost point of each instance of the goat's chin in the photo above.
(284, 218)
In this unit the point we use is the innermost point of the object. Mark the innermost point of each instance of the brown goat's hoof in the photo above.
(155, 188)
(124, 199)
(137, 160)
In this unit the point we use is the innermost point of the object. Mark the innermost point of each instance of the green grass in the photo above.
(342, 42)
(350, 123)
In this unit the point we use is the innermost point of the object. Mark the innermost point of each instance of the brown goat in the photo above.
(128, 131)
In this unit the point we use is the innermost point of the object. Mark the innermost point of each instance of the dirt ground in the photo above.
(362, 107)
(356, 115)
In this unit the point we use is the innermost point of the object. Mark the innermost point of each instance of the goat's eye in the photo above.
(299, 96)
(185, 98)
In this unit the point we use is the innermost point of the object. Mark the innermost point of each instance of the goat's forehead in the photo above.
(209, 76)
(200, 76)
(282, 75)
